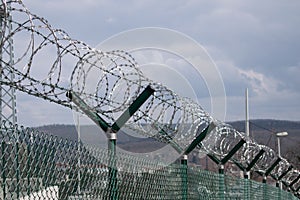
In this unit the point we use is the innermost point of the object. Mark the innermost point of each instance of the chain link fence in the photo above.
(35, 165)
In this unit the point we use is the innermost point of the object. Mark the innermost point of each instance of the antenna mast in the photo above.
(7, 93)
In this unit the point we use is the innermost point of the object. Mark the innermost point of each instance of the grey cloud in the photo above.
(252, 35)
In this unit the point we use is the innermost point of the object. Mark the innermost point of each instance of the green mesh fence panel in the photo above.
(35, 165)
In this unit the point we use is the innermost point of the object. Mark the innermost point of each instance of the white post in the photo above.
(279, 153)
(247, 114)
(281, 134)
(247, 121)
(278, 143)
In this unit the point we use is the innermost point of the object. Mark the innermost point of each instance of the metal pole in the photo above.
(264, 187)
(7, 93)
(12, 75)
(184, 176)
(2, 12)
(3, 169)
(246, 187)
(278, 190)
(221, 182)
(246, 184)
(247, 173)
(111, 130)
(17, 170)
(112, 168)
(247, 113)
(79, 151)
(279, 153)
(278, 143)
(28, 168)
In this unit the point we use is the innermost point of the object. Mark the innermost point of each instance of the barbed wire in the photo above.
(48, 63)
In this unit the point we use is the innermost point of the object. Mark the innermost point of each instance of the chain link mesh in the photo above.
(38, 165)
(35, 165)
(109, 82)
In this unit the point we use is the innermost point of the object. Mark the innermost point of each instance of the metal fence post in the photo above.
(246, 188)
(17, 170)
(221, 182)
(112, 166)
(184, 176)
(28, 169)
(111, 130)
(265, 187)
(3, 169)
(279, 193)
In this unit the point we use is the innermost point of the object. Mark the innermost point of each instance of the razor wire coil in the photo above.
(109, 82)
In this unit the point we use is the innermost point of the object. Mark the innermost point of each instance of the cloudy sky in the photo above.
(254, 44)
